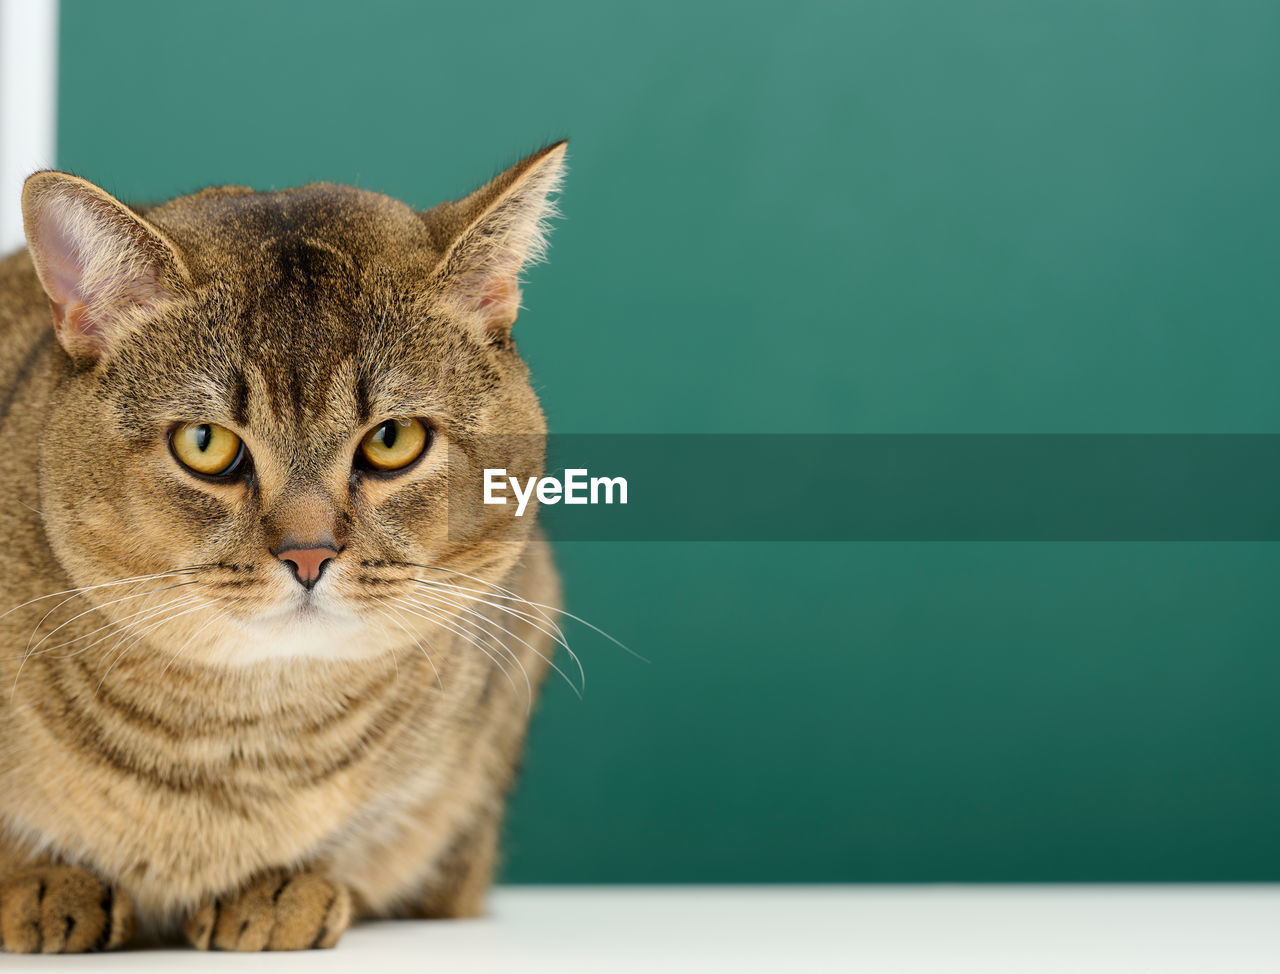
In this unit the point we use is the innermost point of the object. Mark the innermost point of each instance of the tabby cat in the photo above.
(270, 659)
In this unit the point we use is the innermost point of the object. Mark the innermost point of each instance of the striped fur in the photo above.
(191, 749)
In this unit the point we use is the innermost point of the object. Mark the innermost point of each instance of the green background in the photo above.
(856, 217)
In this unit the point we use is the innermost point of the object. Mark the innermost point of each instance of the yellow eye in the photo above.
(207, 448)
(394, 443)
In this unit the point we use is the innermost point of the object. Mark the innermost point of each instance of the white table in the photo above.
(791, 930)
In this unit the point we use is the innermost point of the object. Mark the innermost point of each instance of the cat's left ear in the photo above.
(489, 237)
(103, 266)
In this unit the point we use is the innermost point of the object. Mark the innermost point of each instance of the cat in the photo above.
(264, 674)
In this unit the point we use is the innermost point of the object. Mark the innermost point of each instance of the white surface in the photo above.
(28, 103)
(792, 930)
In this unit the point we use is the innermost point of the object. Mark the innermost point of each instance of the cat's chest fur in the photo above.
(179, 790)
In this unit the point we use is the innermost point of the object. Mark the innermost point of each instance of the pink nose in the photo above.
(308, 563)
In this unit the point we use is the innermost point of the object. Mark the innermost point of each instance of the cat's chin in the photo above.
(303, 631)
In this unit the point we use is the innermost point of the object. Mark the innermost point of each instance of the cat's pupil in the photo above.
(203, 435)
(388, 434)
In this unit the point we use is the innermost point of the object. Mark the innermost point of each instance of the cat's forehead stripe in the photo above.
(240, 400)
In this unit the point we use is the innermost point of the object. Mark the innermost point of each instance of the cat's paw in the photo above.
(62, 910)
(279, 911)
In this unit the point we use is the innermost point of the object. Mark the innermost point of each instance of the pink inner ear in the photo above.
(497, 298)
(63, 278)
(74, 316)
(62, 265)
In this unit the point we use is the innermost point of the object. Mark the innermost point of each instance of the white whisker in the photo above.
(558, 636)
(540, 605)
(432, 616)
(417, 642)
(32, 649)
(205, 604)
(139, 635)
(115, 628)
(89, 588)
(485, 620)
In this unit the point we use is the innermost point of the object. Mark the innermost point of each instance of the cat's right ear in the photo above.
(103, 266)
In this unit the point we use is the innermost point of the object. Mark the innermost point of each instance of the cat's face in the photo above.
(285, 411)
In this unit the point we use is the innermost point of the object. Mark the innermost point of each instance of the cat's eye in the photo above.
(207, 449)
(393, 444)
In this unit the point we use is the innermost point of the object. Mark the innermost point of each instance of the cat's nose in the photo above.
(308, 563)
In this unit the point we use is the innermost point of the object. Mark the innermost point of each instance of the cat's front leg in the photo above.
(62, 910)
(276, 911)
(463, 876)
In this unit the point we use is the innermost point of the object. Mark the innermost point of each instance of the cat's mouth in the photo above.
(307, 612)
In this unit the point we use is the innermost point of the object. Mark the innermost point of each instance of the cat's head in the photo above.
(276, 398)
